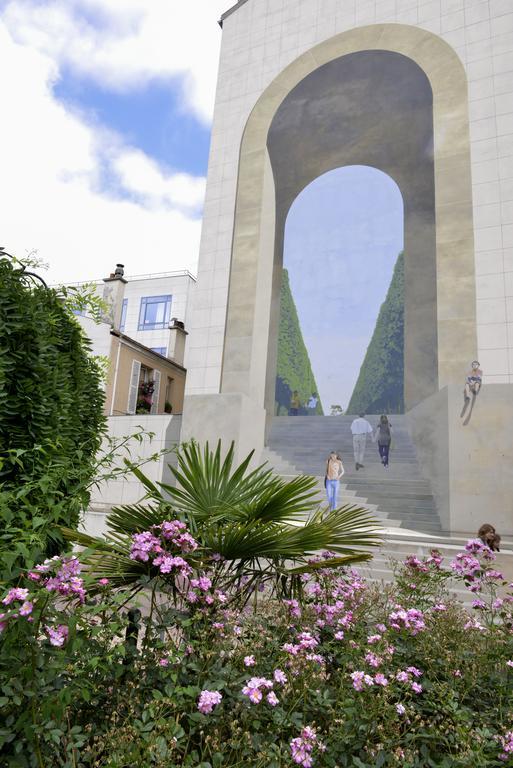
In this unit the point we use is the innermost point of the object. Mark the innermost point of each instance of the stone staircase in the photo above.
(400, 495)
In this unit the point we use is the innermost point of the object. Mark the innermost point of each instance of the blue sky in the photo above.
(342, 238)
(106, 146)
(151, 118)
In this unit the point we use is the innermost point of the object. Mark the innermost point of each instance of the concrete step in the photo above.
(400, 492)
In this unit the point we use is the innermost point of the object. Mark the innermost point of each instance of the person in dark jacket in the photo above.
(383, 436)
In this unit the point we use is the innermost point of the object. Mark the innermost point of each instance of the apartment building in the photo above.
(143, 335)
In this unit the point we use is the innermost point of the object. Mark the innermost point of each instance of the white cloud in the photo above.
(126, 43)
(143, 176)
(52, 196)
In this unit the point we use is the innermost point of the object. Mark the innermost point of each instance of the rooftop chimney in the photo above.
(113, 293)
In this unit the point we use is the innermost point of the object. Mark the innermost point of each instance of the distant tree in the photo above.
(294, 371)
(380, 384)
(337, 410)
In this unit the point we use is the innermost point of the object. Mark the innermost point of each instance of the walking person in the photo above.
(334, 471)
(295, 404)
(360, 428)
(383, 435)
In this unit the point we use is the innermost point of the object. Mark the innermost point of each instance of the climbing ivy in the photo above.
(51, 417)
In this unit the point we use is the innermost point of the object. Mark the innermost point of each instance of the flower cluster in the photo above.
(208, 700)
(254, 687)
(202, 593)
(154, 546)
(411, 619)
(16, 595)
(57, 635)
(61, 575)
(506, 743)
(302, 747)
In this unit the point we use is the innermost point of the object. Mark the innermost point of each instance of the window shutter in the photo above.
(134, 386)
(156, 392)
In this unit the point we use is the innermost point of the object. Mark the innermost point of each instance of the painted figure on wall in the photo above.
(473, 384)
(295, 403)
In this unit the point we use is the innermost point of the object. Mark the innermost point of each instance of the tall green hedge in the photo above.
(51, 417)
(380, 384)
(294, 370)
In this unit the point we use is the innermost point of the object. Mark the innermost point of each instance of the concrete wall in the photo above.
(470, 467)
(129, 490)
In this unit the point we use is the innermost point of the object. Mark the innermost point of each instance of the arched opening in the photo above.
(341, 326)
(371, 108)
(277, 161)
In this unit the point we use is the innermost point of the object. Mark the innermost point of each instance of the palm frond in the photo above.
(248, 517)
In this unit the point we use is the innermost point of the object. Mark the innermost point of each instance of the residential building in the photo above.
(143, 335)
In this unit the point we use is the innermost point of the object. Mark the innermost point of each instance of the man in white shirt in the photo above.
(360, 429)
(312, 403)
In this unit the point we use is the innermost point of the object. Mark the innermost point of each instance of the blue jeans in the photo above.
(332, 492)
(383, 452)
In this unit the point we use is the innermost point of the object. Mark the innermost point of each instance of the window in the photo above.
(155, 313)
(160, 350)
(123, 315)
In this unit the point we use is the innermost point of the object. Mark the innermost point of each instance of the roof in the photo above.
(146, 349)
(230, 11)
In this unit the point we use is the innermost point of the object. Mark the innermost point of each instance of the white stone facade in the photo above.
(262, 37)
(178, 285)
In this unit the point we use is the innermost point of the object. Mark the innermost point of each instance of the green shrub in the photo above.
(51, 417)
(352, 676)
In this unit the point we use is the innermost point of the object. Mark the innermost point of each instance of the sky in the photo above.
(106, 116)
(342, 238)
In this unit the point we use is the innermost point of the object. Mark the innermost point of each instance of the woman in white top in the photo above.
(334, 471)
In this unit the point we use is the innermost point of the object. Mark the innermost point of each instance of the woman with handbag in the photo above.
(383, 435)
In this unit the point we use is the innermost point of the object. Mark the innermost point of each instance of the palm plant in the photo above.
(249, 523)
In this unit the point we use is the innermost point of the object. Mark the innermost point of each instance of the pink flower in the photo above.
(372, 659)
(509, 663)
(302, 747)
(26, 609)
(249, 661)
(208, 700)
(57, 636)
(17, 593)
(357, 678)
(414, 671)
(400, 709)
(372, 639)
(416, 687)
(380, 679)
(281, 677)
(103, 582)
(272, 699)
(339, 635)
(253, 694)
(164, 662)
(440, 607)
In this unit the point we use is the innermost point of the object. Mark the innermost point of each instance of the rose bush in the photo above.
(345, 674)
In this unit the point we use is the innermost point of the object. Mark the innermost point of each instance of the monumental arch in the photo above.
(301, 92)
